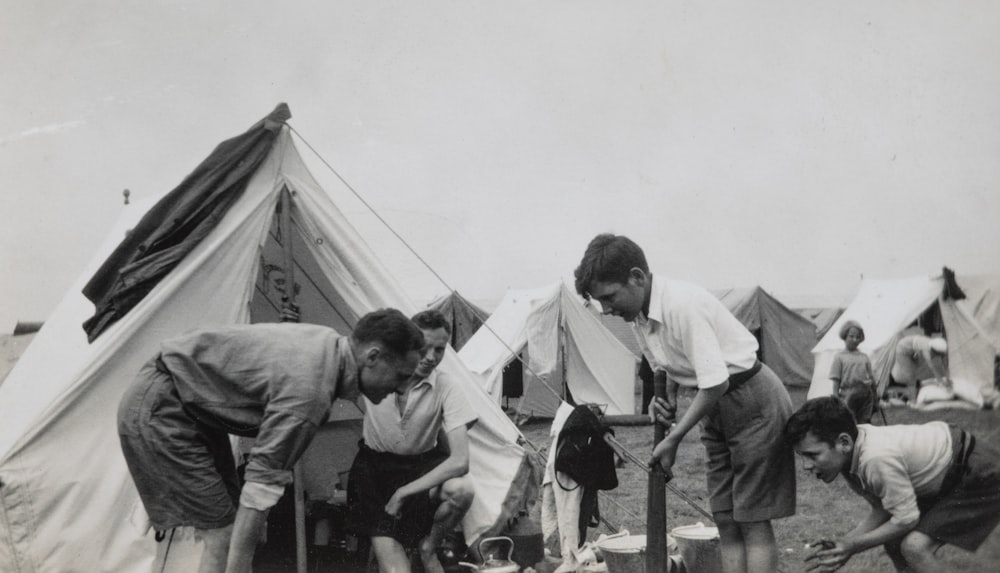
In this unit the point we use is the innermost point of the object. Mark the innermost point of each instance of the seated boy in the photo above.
(928, 484)
(409, 486)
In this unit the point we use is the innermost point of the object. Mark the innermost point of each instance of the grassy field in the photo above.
(824, 510)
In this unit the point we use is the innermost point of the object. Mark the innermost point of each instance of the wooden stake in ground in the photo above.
(656, 500)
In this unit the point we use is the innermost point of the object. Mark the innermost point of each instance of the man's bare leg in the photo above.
(213, 558)
(456, 498)
(391, 555)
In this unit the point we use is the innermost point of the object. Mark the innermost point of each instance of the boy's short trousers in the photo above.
(965, 515)
(374, 477)
(184, 471)
(751, 471)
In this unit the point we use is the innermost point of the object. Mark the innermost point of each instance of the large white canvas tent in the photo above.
(786, 338)
(67, 502)
(563, 346)
(886, 307)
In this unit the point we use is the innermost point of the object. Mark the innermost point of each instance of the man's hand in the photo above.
(662, 412)
(665, 453)
(289, 311)
(395, 504)
(829, 555)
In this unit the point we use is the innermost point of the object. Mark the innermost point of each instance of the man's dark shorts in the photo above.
(374, 477)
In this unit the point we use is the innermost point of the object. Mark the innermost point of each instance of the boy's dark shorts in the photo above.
(965, 515)
(374, 477)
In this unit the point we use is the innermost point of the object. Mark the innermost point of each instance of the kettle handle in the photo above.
(510, 545)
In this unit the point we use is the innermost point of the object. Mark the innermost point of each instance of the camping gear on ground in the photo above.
(624, 553)
(529, 545)
(493, 561)
(699, 547)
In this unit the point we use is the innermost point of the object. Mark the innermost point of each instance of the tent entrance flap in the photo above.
(318, 301)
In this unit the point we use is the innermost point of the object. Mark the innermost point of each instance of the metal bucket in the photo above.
(627, 554)
(699, 547)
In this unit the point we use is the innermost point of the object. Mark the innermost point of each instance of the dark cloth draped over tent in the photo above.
(177, 223)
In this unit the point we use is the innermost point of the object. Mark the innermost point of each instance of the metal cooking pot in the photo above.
(492, 563)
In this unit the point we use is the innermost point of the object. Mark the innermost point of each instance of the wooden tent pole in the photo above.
(656, 499)
(289, 303)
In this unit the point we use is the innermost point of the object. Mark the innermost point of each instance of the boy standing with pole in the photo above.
(685, 332)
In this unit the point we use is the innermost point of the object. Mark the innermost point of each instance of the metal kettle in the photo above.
(492, 563)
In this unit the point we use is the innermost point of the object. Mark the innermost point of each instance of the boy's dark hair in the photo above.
(825, 417)
(391, 329)
(431, 319)
(608, 258)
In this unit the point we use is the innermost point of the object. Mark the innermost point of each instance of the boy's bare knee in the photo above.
(917, 547)
(458, 492)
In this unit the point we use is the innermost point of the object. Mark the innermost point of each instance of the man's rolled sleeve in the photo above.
(282, 439)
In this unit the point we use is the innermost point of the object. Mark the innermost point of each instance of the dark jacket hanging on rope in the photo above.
(177, 223)
(582, 454)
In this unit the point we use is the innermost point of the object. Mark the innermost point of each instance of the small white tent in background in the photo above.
(67, 502)
(884, 308)
(982, 298)
(13, 345)
(565, 348)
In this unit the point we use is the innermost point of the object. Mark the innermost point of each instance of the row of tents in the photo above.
(565, 349)
(568, 353)
(249, 227)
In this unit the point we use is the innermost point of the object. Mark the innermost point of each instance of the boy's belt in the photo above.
(963, 443)
(738, 379)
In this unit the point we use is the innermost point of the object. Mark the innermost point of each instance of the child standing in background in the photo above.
(851, 373)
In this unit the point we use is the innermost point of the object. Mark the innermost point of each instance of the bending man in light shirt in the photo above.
(686, 333)
(928, 485)
(274, 381)
(408, 486)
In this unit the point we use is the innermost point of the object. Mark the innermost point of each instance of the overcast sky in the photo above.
(793, 144)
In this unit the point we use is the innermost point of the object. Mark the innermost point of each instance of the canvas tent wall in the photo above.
(786, 338)
(885, 307)
(465, 317)
(13, 345)
(564, 347)
(67, 502)
(822, 317)
(982, 294)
